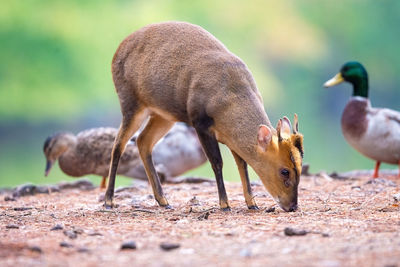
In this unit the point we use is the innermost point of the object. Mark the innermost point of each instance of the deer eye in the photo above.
(285, 173)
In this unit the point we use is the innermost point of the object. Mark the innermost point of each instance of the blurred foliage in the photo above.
(55, 67)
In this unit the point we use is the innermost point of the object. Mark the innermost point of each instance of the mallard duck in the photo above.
(89, 152)
(374, 132)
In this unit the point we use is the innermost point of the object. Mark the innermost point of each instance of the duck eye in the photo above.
(285, 173)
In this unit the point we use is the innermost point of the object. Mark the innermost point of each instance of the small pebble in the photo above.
(57, 227)
(169, 246)
(65, 244)
(294, 232)
(128, 245)
(78, 231)
(22, 208)
(35, 249)
(94, 233)
(12, 226)
(70, 234)
(8, 198)
(83, 250)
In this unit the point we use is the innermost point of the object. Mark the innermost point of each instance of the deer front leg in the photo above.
(244, 176)
(211, 148)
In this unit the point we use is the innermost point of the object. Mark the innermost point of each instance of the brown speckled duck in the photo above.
(374, 132)
(89, 153)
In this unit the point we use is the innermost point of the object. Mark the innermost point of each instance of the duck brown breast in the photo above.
(354, 118)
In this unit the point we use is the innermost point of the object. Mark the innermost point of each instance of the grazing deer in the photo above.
(176, 71)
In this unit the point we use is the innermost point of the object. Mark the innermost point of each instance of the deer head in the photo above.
(281, 151)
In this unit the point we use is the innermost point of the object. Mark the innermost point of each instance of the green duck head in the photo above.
(354, 73)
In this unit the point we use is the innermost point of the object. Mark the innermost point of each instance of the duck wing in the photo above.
(386, 134)
(94, 149)
(392, 116)
(381, 140)
(385, 120)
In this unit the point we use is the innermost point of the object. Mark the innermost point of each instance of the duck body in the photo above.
(374, 132)
(89, 152)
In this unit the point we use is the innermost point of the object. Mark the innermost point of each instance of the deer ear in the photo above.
(297, 141)
(286, 126)
(299, 145)
(264, 136)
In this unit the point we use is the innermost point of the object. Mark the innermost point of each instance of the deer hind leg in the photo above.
(210, 145)
(244, 176)
(131, 122)
(155, 129)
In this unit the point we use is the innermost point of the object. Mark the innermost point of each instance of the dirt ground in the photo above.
(343, 222)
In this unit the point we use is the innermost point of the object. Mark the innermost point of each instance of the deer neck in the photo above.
(240, 132)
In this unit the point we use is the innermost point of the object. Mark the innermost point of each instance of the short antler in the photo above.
(296, 124)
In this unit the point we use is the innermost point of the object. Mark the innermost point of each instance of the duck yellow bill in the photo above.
(334, 81)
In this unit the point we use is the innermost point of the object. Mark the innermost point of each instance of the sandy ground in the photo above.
(350, 222)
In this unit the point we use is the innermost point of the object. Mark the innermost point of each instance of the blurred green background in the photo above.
(55, 74)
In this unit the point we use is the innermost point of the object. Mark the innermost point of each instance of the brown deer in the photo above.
(176, 71)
